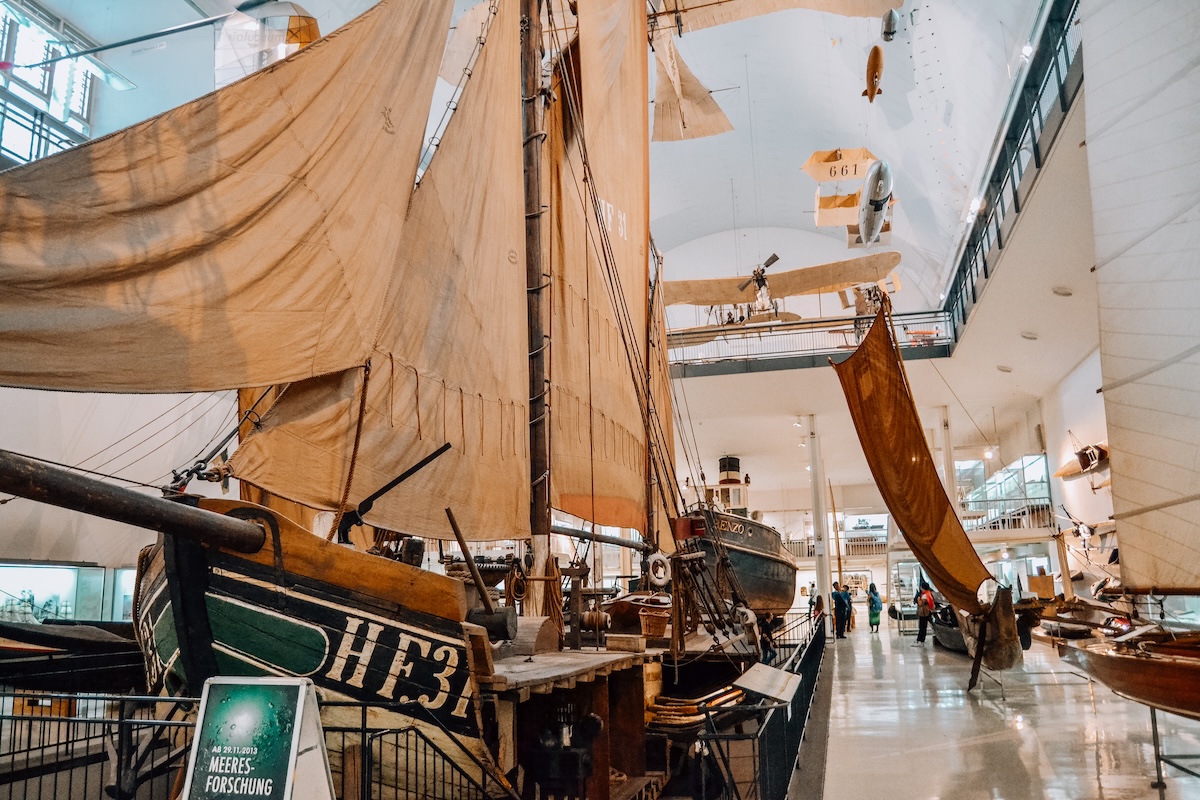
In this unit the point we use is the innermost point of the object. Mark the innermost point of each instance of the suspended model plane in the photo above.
(874, 204)
(874, 74)
(755, 299)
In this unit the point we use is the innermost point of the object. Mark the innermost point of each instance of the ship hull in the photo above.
(202, 612)
(765, 571)
(1168, 682)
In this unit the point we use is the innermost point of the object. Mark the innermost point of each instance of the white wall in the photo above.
(1073, 405)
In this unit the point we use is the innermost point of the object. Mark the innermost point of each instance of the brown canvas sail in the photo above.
(243, 239)
(449, 363)
(598, 230)
(893, 441)
(684, 108)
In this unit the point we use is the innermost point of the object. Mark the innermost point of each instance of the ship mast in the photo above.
(537, 284)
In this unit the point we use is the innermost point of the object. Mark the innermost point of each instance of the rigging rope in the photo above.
(362, 409)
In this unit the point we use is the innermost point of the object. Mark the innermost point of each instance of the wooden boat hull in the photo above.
(1169, 682)
(201, 611)
(765, 570)
(70, 658)
(948, 636)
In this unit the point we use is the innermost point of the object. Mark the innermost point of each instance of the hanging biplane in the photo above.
(740, 301)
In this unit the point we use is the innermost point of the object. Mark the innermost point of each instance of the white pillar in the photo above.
(821, 540)
(949, 479)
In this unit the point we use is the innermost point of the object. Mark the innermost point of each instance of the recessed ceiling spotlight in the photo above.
(1030, 335)
(1062, 291)
(988, 454)
(1004, 368)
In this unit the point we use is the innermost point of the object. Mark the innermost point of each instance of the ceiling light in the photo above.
(808, 468)
(1004, 368)
(1062, 291)
(988, 453)
(1030, 335)
(1027, 51)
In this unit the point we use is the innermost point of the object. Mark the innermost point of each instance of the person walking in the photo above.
(841, 610)
(849, 607)
(874, 607)
(925, 604)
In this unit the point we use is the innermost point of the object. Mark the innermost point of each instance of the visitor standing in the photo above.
(924, 601)
(841, 610)
(874, 608)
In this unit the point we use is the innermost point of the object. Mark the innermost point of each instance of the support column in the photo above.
(820, 528)
(949, 479)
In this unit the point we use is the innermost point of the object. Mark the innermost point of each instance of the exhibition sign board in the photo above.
(258, 738)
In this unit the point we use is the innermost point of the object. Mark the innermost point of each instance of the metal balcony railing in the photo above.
(1009, 514)
(27, 133)
(788, 345)
(1038, 111)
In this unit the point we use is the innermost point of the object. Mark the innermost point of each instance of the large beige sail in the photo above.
(450, 361)
(893, 441)
(598, 445)
(684, 108)
(242, 239)
(1143, 141)
(693, 15)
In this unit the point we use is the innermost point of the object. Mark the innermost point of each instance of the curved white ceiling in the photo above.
(791, 83)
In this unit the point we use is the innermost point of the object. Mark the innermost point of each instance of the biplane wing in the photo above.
(831, 277)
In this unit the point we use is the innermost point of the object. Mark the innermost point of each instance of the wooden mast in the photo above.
(537, 284)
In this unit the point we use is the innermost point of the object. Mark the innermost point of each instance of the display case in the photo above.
(33, 592)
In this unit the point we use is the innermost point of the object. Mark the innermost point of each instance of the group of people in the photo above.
(843, 609)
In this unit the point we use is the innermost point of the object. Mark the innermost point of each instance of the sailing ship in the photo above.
(269, 235)
(893, 440)
(1146, 285)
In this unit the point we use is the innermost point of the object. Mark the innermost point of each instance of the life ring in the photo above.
(658, 570)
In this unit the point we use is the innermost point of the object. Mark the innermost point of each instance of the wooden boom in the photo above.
(37, 480)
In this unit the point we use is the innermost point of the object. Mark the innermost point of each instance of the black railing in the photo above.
(28, 133)
(755, 758)
(108, 747)
(1051, 85)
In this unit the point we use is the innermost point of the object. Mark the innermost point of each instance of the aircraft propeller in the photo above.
(771, 259)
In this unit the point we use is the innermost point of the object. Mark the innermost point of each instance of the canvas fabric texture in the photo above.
(449, 363)
(893, 441)
(242, 239)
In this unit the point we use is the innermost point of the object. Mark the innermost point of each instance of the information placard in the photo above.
(252, 736)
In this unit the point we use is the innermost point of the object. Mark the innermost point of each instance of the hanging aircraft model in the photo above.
(891, 21)
(874, 73)
(741, 305)
(873, 207)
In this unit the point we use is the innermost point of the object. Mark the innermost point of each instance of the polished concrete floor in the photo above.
(902, 725)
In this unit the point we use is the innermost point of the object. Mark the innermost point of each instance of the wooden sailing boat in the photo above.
(1147, 287)
(893, 441)
(268, 234)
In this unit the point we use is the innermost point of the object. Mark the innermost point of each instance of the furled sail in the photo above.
(243, 239)
(693, 15)
(1143, 97)
(683, 107)
(893, 441)
(449, 363)
(597, 242)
